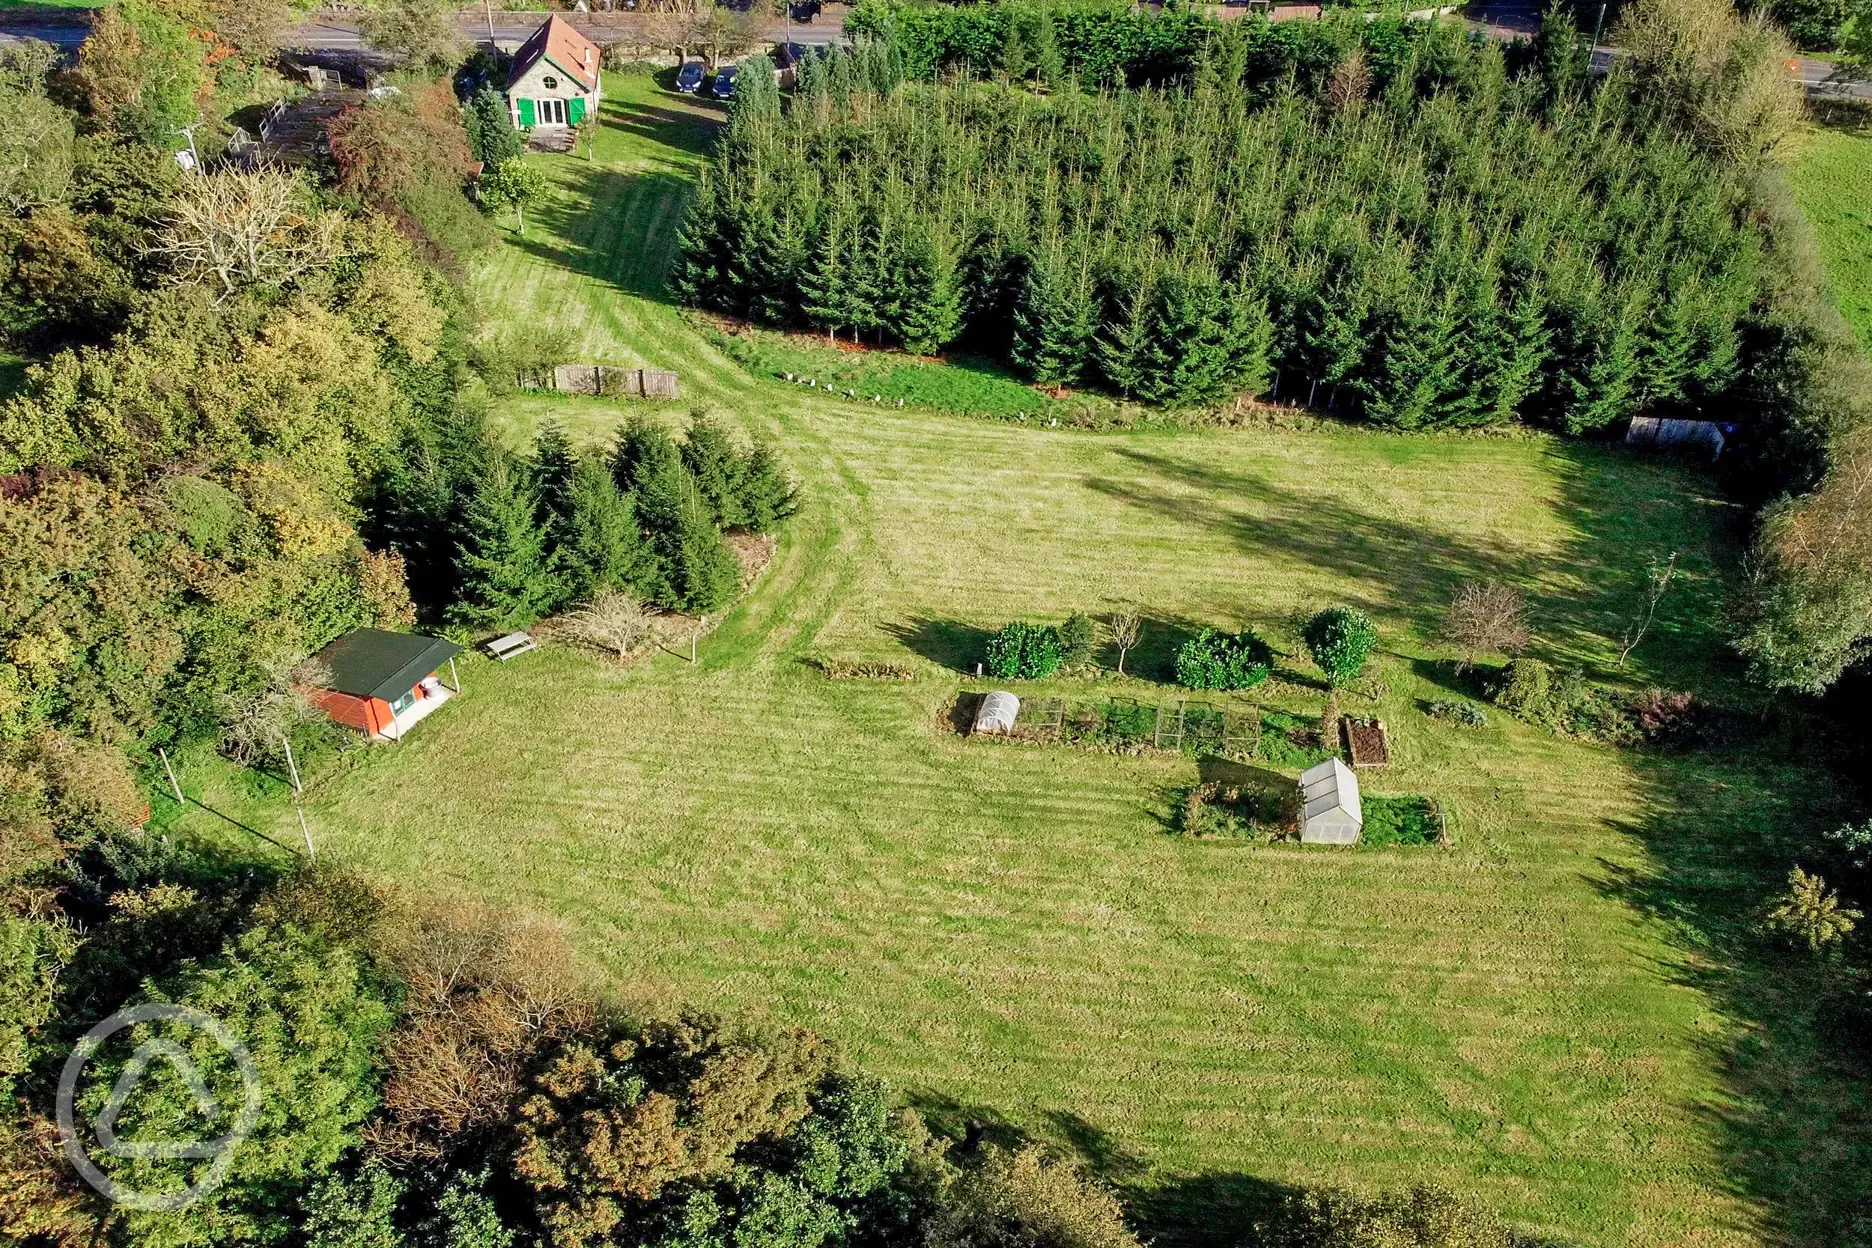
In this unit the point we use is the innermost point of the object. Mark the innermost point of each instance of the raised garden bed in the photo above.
(1365, 740)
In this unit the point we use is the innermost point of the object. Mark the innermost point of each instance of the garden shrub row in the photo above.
(1565, 701)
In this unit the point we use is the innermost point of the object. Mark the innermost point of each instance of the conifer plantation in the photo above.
(1445, 243)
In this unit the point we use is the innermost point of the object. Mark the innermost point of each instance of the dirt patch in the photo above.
(754, 551)
(1365, 740)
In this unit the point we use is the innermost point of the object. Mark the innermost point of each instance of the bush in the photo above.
(1400, 821)
(1022, 651)
(1027, 1198)
(1213, 660)
(1077, 639)
(1662, 717)
(1462, 714)
(1340, 639)
(1524, 687)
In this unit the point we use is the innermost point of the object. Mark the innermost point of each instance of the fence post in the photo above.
(164, 755)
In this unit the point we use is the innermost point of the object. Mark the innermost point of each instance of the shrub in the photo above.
(1028, 1198)
(1462, 714)
(1213, 660)
(1663, 717)
(1022, 651)
(1400, 821)
(1524, 687)
(1077, 638)
(1811, 914)
(1340, 639)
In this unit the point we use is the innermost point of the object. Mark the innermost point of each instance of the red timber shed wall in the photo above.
(371, 715)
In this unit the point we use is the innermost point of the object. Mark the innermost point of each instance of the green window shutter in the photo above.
(575, 109)
(526, 112)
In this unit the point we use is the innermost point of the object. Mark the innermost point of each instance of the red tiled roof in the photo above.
(561, 43)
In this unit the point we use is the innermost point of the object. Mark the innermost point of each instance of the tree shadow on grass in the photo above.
(1159, 639)
(1624, 514)
(951, 643)
(1795, 1122)
(618, 228)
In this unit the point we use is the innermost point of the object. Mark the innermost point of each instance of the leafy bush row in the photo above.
(1565, 701)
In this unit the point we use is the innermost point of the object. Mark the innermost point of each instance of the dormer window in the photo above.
(550, 83)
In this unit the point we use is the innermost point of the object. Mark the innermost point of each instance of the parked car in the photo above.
(724, 83)
(689, 77)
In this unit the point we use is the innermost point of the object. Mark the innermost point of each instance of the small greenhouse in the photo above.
(1329, 801)
(996, 713)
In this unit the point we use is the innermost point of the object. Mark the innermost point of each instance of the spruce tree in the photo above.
(491, 135)
(1186, 359)
(1601, 388)
(1127, 332)
(1055, 318)
(504, 577)
(715, 465)
(706, 574)
(767, 494)
(1049, 61)
(928, 300)
(554, 463)
(825, 281)
(598, 544)
(1014, 61)
(644, 451)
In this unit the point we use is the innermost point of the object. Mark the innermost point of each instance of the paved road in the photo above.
(1503, 19)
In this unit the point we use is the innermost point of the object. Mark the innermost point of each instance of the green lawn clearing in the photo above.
(1833, 181)
(1555, 1013)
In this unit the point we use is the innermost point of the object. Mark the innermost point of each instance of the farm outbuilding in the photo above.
(555, 78)
(383, 683)
(1329, 805)
(996, 713)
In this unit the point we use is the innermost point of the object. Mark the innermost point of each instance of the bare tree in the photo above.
(615, 619)
(1486, 617)
(1658, 580)
(254, 728)
(1351, 79)
(247, 229)
(1125, 627)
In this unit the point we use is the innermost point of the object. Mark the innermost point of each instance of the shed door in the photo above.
(526, 112)
(575, 109)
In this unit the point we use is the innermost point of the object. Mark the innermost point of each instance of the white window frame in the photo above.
(550, 111)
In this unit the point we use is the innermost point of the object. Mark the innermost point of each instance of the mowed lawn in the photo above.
(1833, 181)
(1534, 1015)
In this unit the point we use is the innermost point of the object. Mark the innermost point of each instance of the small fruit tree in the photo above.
(1213, 660)
(1340, 639)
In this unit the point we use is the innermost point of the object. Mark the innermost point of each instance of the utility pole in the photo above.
(490, 16)
(1598, 28)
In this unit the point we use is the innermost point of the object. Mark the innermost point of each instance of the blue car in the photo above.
(689, 77)
(724, 83)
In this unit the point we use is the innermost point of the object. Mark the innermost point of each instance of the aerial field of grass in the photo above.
(1833, 182)
(1556, 1014)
